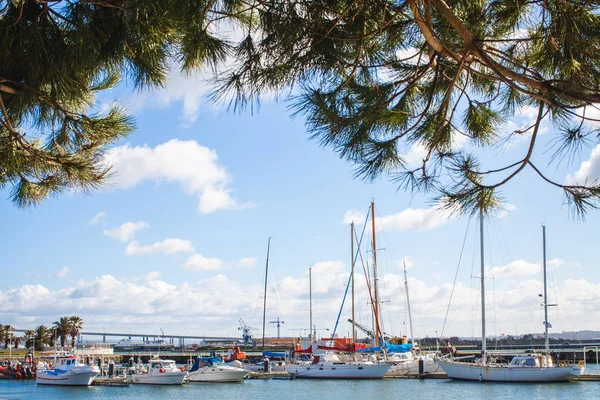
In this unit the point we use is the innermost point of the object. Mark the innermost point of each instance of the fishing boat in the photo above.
(66, 370)
(159, 372)
(522, 368)
(213, 369)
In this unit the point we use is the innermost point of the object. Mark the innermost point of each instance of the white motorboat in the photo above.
(67, 370)
(159, 372)
(213, 369)
(522, 368)
(330, 366)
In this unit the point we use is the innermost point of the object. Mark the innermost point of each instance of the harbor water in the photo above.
(387, 389)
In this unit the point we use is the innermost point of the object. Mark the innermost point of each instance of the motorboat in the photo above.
(159, 372)
(213, 369)
(66, 370)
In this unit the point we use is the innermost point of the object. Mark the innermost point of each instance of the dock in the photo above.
(116, 381)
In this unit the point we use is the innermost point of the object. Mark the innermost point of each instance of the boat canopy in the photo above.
(280, 354)
(391, 348)
(204, 361)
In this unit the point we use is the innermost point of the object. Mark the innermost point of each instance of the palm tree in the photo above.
(63, 329)
(16, 340)
(41, 336)
(52, 335)
(29, 338)
(7, 335)
(76, 327)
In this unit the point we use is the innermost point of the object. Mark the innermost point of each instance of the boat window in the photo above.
(530, 362)
(360, 367)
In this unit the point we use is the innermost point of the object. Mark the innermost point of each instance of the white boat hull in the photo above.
(69, 378)
(165, 378)
(342, 370)
(504, 373)
(410, 367)
(217, 374)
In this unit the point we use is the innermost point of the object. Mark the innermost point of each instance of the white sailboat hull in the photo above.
(217, 374)
(410, 367)
(69, 378)
(504, 373)
(342, 370)
(165, 378)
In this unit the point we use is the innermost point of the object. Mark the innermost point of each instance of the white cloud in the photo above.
(409, 220)
(414, 219)
(588, 172)
(64, 271)
(101, 216)
(198, 262)
(505, 210)
(517, 268)
(126, 231)
(167, 246)
(247, 262)
(353, 216)
(195, 167)
(107, 303)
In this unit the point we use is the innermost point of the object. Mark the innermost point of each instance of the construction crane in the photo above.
(366, 330)
(278, 322)
(247, 333)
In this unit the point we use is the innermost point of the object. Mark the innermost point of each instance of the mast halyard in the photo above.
(265, 294)
(375, 295)
(483, 344)
(412, 338)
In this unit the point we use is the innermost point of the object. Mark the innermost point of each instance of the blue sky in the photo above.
(178, 241)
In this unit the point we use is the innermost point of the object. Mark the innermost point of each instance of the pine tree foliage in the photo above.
(57, 55)
(374, 77)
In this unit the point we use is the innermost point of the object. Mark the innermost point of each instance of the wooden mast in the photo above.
(352, 263)
(375, 295)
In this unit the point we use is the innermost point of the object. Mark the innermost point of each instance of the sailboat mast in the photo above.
(483, 344)
(352, 263)
(412, 338)
(265, 297)
(310, 328)
(375, 295)
(547, 342)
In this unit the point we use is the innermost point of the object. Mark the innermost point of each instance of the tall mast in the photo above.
(375, 296)
(352, 263)
(265, 299)
(310, 328)
(412, 338)
(483, 344)
(547, 343)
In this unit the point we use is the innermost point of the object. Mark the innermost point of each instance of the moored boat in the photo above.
(213, 369)
(159, 372)
(67, 370)
(522, 368)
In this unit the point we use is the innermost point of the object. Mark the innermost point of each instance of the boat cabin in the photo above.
(532, 361)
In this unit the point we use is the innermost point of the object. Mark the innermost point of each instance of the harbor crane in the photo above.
(278, 322)
(247, 333)
(366, 330)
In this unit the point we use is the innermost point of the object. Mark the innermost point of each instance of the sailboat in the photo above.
(522, 368)
(414, 361)
(328, 364)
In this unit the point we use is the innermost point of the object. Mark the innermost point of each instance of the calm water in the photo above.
(392, 389)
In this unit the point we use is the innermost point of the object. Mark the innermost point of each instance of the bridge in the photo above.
(146, 336)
